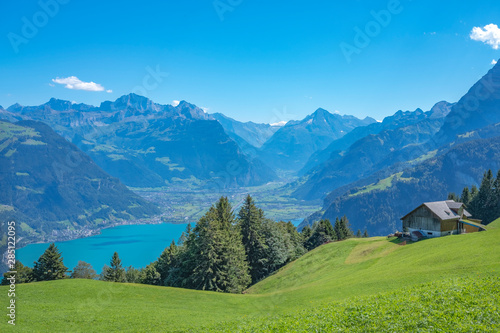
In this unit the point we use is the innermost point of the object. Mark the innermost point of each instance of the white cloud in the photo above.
(74, 83)
(175, 103)
(493, 62)
(109, 91)
(52, 85)
(205, 109)
(279, 124)
(489, 34)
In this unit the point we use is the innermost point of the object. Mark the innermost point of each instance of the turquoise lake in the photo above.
(137, 246)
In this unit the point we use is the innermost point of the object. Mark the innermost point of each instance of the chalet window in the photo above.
(429, 233)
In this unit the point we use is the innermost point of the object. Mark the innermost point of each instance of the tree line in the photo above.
(482, 203)
(224, 252)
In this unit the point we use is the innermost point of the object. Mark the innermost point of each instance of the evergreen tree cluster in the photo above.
(482, 203)
(227, 252)
(48, 267)
(224, 252)
(323, 232)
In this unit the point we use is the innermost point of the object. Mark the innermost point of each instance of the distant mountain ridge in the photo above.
(399, 119)
(291, 146)
(51, 186)
(372, 152)
(248, 135)
(478, 108)
(399, 193)
(457, 155)
(146, 144)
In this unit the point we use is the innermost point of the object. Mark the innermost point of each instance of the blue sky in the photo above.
(265, 61)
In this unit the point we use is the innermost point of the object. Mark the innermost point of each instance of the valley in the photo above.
(245, 166)
(186, 203)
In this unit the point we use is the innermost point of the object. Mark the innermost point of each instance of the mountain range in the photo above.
(454, 156)
(356, 166)
(147, 144)
(379, 145)
(292, 145)
(51, 186)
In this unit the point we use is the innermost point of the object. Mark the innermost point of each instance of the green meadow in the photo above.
(360, 285)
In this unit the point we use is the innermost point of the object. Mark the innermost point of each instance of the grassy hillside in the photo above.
(51, 188)
(363, 283)
(466, 304)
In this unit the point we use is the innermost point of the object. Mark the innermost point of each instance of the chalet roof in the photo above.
(444, 210)
(474, 224)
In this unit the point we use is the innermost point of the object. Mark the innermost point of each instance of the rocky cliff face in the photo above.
(147, 144)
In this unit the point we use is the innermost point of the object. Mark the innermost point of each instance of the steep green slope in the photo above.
(53, 187)
(399, 119)
(369, 155)
(406, 188)
(454, 305)
(335, 272)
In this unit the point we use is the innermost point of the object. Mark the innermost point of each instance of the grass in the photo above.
(187, 201)
(381, 184)
(8, 131)
(31, 142)
(361, 285)
(452, 305)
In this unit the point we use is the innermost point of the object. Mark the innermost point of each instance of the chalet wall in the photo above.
(422, 219)
(448, 225)
(469, 228)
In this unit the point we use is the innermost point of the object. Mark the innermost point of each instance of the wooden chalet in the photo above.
(440, 218)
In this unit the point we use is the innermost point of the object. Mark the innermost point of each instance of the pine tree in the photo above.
(24, 274)
(346, 226)
(473, 191)
(277, 252)
(250, 220)
(358, 234)
(365, 234)
(296, 248)
(453, 196)
(474, 202)
(132, 275)
(466, 197)
(185, 235)
(217, 252)
(322, 232)
(339, 229)
(233, 255)
(83, 271)
(114, 273)
(150, 275)
(486, 204)
(306, 233)
(50, 265)
(496, 197)
(168, 261)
